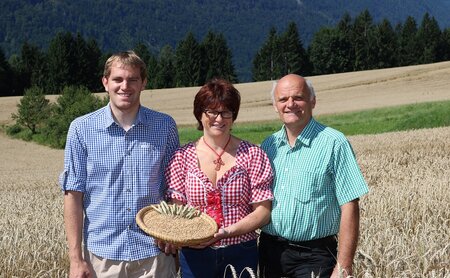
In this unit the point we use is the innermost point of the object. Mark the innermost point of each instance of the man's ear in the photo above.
(313, 102)
(144, 83)
(105, 83)
(274, 107)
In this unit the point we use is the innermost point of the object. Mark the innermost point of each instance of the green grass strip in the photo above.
(397, 118)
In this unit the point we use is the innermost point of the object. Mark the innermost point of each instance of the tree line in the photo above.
(352, 45)
(72, 66)
(70, 60)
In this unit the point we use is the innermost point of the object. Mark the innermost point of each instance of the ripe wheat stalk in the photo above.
(405, 218)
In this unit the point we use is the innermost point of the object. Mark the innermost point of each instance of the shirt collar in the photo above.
(109, 119)
(304, 137)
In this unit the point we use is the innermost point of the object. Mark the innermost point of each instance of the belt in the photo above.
(320, 242)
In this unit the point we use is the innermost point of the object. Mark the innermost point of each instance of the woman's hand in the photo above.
(221, 234)
(166, 247)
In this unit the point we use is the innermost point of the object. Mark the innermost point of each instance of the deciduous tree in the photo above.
(32, 110)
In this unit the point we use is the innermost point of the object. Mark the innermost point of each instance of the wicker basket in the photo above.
(176, 230)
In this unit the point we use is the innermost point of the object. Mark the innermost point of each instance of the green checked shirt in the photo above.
(312, 180)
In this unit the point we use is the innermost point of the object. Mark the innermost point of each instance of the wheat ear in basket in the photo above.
(176, 224)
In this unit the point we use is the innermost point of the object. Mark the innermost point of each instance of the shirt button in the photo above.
(128, 190)
(128, 209)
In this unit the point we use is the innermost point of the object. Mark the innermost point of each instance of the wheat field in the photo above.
(405, 219)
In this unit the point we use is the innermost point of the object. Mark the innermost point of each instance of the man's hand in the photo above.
(80, 269)
(348, 239)
(341, 272)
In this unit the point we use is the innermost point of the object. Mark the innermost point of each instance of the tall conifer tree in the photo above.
(61, 60)
(142, 51)
(429, 38)
(216, 58)
(408, 48)
(293, 56)
(188, 62)
(346, 54)
(166, 70)
(87, 57)
(328, 52)
(267, 61)
(446, 45)
(363, 40)
(385, 45)
(6, 76)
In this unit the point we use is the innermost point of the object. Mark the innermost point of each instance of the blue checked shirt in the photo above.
(312, 180)
(119, 173)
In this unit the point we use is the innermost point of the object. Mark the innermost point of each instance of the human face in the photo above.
(293, 103)
(124, 86)
(215, 125)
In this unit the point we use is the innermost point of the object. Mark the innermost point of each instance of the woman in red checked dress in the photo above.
(228, 178)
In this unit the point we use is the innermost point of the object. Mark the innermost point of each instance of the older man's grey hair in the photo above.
(272, 92)
(312, 93)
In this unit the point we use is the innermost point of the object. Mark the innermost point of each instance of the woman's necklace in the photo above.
(218, 162)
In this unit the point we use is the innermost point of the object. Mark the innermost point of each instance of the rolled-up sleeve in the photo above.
(73, 177)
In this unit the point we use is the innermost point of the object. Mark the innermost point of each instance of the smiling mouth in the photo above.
(218, 126)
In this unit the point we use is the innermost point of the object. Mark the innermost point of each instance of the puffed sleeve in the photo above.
(260, 174)
(175, 176)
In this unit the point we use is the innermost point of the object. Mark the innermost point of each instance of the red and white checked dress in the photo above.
(247, 182)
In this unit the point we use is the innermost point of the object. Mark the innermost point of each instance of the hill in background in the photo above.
(119, 25)
(336, 93)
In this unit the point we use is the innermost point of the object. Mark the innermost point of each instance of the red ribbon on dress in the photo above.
(214, 206)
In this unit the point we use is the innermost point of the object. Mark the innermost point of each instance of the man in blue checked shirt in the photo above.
(317, 187)
(114, 163)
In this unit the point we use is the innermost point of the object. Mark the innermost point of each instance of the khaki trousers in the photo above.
(161, 266)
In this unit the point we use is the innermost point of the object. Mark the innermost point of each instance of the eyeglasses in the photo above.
(225, 114)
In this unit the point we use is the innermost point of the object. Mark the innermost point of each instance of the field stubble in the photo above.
(405, 219)
(405, 227)
(405, 224)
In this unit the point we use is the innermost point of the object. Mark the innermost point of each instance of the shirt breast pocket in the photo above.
(308, 186)
(148, 156)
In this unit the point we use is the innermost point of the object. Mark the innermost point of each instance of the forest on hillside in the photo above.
(354, 44)
(120, 25)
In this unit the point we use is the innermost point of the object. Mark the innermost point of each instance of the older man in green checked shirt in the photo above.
(317, 187)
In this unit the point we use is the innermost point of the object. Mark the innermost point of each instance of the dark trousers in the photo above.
(279, 257)
(212, 263)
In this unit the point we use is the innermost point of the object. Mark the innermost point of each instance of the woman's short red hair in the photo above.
(216, 94)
